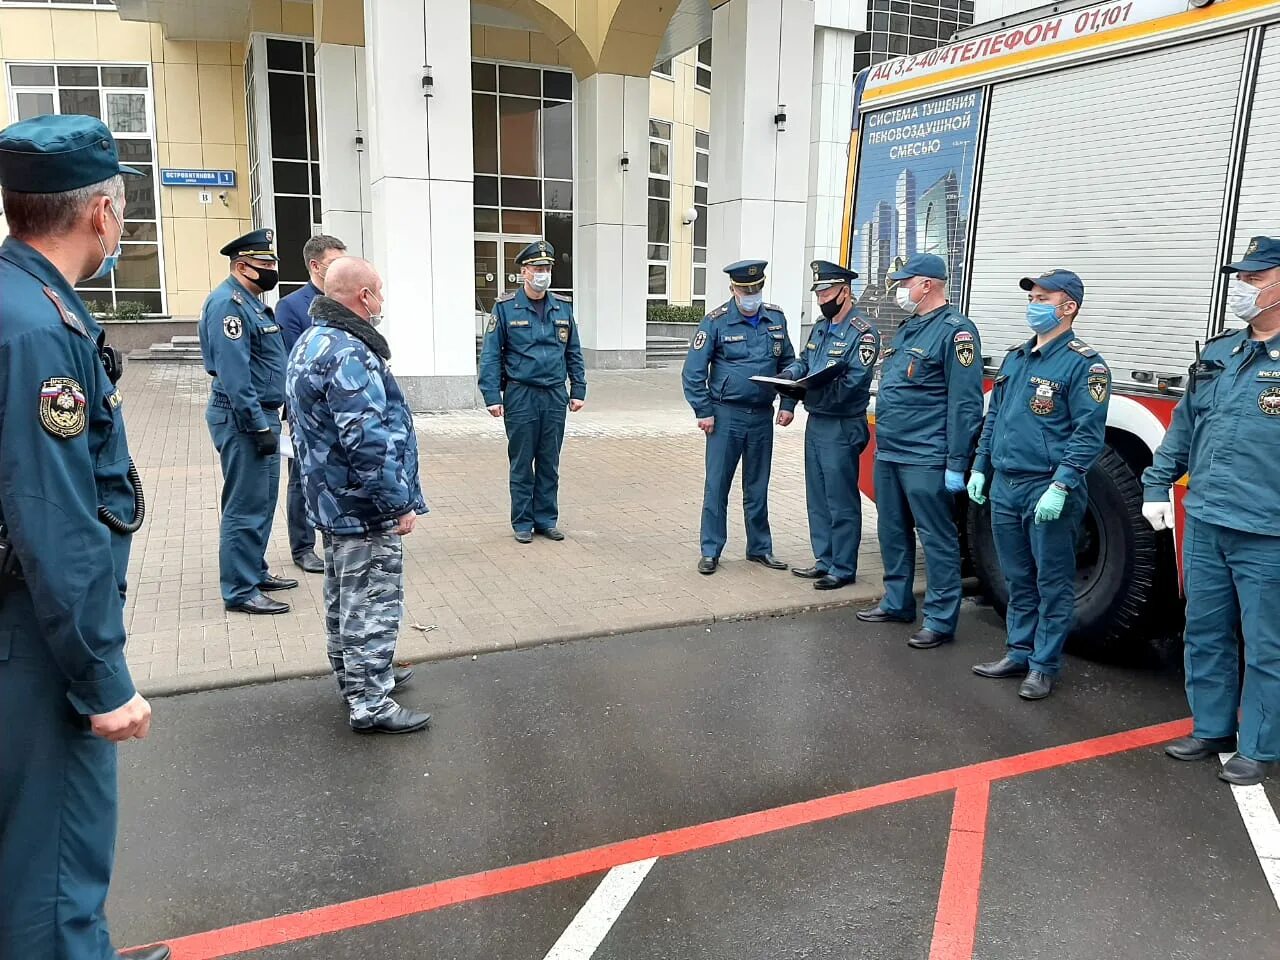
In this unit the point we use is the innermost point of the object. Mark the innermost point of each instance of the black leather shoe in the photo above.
(831, 583)
(767, 560)
(277, 583)
(403, 676)
(1200, 748)
(1001, 669)
(259, 604)
(309, 563)
(1037, 686)
(707, 565)
(400, 720)
(524, 536)
(880, 615)
(809, 573)
(158, 951)
(1244, 772)
(926, 639)
(551, 533)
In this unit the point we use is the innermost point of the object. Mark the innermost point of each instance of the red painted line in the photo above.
(956, 925)
(258, 934)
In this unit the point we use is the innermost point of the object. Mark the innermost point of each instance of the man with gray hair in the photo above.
(354, 442)
(292, 313)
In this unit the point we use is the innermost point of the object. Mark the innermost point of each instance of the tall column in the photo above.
(762, 57)
(346, 206)
(832, 104)
(421, 176)
(610, 265)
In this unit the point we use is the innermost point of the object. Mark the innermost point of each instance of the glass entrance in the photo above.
(496, 270)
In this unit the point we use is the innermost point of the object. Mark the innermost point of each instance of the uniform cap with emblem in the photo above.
(827, 274)
(1263, 253)
(537, 254)
(1064, 280)
(747, 273)
(921, 265)
(54, 154)
(255, 243)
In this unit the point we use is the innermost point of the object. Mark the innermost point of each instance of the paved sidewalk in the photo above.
(631, 491)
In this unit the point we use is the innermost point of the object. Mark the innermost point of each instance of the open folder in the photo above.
(795, 389)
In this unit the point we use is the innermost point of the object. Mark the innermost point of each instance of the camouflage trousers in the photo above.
(363, 603)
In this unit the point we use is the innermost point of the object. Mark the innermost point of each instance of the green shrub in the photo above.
(663, 313)
(125, 310)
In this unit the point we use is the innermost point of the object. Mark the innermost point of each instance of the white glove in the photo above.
(1159, 514)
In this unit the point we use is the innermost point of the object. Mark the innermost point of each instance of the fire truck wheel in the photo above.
(1116, 565)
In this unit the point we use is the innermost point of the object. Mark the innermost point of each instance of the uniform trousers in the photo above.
(534, 418)
(250, 489)
(832, 446)
(741, 434)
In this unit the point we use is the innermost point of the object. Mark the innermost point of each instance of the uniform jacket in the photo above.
(727, 351)
(854, 345)
(929, 405)
(1048, 412)
(244, 352)
(352, 431)
(63, 452)
(1225, 432)
(521, 348)
(292, 313)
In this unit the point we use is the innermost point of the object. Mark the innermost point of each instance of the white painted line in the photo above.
(1263, 826)
(601, 911)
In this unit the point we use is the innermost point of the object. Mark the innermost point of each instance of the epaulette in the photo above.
(1082, 348)
(719, 311)
(505, 296)
(69, 318)
(236, 298)
(861, 324)
(565, 297)
(1222, 335)
(773, 306)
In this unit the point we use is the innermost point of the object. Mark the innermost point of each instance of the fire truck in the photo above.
(1136, 142)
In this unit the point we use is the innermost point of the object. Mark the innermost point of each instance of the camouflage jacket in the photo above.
(352, 431)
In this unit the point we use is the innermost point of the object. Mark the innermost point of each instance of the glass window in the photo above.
(486, 221)
(522, 221)
(663, 69)
(557, 85)
(701, 169)
(702, 73)
(559, 233)
(557, 140)
(659, 227)
(484, 133)
(80, 101)
(525, 194)
(520, 80)
(21, 75)
(138, 269)
(657, 281)
(140, 194)
(558, 194)
(518, 136)
(659, 158)
(284, 55)
(127, 112)
(484, 76)
(30, 105)
(285, 93)
(77, 76)
(124, 76)
(486, 191)
(291, 177)
(659, 221)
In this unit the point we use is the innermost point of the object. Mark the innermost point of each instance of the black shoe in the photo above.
(831, 583)
(1000, 669)
(1200, 748)
(309, 563)
(926, 639)
(400, 720)
(1037, 686)
(157, 951)
(767, 560)
(707, 565)
(551, 533)
(277, 583)
(403, 676)
(524, 536)
(1244, 772)
(880, 615)
(809, 573)
(259, 604)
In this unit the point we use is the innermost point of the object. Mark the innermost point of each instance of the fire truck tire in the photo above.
(1116, 564)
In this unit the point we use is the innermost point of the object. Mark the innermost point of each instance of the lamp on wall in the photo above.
(624, 162)
(690, 215)
(780, 118)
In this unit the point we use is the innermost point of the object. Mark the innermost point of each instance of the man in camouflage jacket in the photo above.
(358, 457)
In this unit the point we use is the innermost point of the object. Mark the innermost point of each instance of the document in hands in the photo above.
(796, 388)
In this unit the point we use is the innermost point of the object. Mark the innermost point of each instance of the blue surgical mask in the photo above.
(109, 260)
(1042, 317)
(750, 303)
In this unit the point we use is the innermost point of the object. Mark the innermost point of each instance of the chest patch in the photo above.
(734, 339)
(562, 332)
(517, 323)
(1042, 403)
(233, 327)
(1269, 401)
(62, 405)
(777, 348)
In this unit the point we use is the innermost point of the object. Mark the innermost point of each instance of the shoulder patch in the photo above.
(1082, 348)
(233, 327)
(62, 407)
(69, 318)
(492, 325)
(506, 295)
(700, 340)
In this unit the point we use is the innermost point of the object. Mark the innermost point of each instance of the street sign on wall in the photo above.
(197, 178)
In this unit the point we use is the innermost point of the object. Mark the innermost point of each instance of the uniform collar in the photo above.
(920, 319)
(737, 316)
(1058, 343)
(524, 303)
(1272, 345)
(245, 293)
(32, 261)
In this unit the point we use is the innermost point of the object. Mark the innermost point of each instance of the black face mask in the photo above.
(831, 307)
(266, 279)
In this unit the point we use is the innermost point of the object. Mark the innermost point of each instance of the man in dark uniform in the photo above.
(836, 433)
(1225, 434)
(928, 411)
(741, 338)
(293, 313)
(530, 348)
(68, 489)
(1045, 428)
(244, 353)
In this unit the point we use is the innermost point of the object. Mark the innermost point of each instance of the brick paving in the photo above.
(631, 489)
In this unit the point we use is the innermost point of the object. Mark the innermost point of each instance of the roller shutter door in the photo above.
(1259, 209)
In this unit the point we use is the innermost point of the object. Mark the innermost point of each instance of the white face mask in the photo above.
(541, 281)
(375, 318)
(1242, 298)
(903, 297)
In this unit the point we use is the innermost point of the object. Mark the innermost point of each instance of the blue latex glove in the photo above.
(954, 480)
(977, 483)
(1051, 503)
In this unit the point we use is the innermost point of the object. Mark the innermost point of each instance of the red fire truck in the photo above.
(1136, 142)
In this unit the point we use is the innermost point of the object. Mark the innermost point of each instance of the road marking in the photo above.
(601, 911)
(1264, 829)
(291, 927)
(955, 926)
